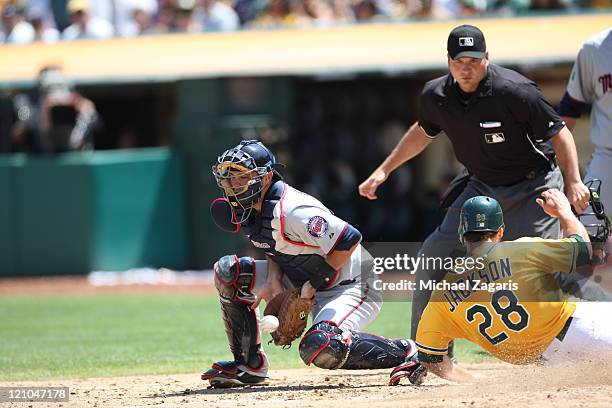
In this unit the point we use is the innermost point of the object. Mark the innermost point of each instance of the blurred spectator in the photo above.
(328, 12)
(57, 120)
(24, 21)
(548, 4)
(175, 16)
(164, 20)
(40, 9)
(319, 12)
(248, 9)
(15, 29)
(367, 10)
(403, 9)
(457, 8)
(142, 23)
(279, 14)
(120, 13)
(183, 18)
(342, 11)
(44, 32)
(84, 25)
(215, 15)
(508, 7)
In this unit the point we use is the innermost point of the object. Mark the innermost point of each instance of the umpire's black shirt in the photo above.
(501, 132)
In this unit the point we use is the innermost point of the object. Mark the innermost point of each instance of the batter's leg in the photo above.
(589, 336)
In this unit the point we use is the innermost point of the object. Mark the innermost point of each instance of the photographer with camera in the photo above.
(59, 120)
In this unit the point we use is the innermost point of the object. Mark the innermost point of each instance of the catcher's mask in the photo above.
(596, 223)
(240, 172)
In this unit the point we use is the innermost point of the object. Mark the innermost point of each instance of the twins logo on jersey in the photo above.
(606, 82)
(317, 226)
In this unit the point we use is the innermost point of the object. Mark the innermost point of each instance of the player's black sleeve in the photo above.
(539, 113)
(349, 237)
(427, 113)
(571, 107)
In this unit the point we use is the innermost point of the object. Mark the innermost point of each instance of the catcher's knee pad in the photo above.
(235, 278)
(324, 346)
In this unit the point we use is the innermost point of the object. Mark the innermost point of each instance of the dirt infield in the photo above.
(499, 385)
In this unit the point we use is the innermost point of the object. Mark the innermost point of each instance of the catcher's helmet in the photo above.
(239, 172)
(480, 214)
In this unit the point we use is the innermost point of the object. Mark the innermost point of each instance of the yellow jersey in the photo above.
(510, 304)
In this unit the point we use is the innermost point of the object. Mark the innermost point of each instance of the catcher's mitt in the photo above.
(292, 312)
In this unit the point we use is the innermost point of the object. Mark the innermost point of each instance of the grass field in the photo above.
(44, 337)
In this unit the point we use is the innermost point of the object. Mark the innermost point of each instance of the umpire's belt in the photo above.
(536, 172)
(565, 328)
(532, 174)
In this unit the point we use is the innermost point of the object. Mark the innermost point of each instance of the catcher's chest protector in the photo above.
(264, 233)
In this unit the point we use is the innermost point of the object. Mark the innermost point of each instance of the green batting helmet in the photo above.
(480, 214)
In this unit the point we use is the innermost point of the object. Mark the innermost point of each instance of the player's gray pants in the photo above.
(523, 217)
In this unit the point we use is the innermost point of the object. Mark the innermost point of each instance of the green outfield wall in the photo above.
(78, 212)
(214, 115)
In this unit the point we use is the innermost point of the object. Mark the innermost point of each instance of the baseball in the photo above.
(269, 323)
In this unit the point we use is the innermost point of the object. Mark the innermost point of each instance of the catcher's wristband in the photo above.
(321, 273)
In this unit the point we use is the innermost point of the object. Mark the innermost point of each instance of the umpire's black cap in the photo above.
(466, 41)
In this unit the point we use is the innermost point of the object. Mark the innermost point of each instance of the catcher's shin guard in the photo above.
(327, 346)
(234, 279)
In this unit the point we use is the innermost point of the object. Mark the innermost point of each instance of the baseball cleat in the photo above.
(412, 370)
(226, 374)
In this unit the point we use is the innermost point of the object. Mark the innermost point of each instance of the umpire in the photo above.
(509, 138)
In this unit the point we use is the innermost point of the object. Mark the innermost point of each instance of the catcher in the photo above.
(313, 265)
